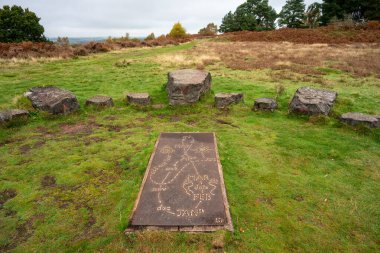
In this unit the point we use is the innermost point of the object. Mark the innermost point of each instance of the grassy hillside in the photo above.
(295, 184)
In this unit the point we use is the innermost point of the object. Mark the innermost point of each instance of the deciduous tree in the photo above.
(17, 24)
(210, 29)
(313, 15)
(177, 31)
(292, 14)
(150, 37)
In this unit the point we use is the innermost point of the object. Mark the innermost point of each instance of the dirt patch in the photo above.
(25, 148)
(225, 122)
(158, 106)
(10, 213)
(114, 128)
(147, 118)
(298, 198)
(218, 242)
(90, 230)
(48, 181)
(91, 217)
(110, 118)
(46, 132)
(148, 127)
(161, 116)
(6, 195)
(265, 200)
(175, 118)
(191, 122)
(23, 232)
(39, 144)
(93, 140)
(79, 128)
(124, 164)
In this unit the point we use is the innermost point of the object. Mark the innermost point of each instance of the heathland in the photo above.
(294, 183)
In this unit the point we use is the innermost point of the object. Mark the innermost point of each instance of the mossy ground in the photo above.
(295, 184)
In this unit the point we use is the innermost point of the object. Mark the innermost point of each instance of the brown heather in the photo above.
(29, 50)
(310, 59)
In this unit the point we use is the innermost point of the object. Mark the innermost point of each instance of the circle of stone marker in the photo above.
(53, 100)
(186, 86)
(356, 118)
(13, 115)
(265, 104)
(223, 100)
(312, 102)
(100, 101)
(139, 98)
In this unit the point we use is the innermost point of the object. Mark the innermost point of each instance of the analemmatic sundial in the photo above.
(183, 187)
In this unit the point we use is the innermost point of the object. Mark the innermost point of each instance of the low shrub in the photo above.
(27, 50)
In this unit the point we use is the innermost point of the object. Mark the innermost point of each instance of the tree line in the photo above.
(258, 15)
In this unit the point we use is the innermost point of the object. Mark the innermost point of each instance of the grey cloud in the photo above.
(85, 18)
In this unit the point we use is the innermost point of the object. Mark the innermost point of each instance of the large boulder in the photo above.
(312, 102)
(265, 104)
(357, 118)
(223, 100)
(187, 86)
(53, 100)
(13, 115)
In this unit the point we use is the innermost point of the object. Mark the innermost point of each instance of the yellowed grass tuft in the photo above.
(198, 57)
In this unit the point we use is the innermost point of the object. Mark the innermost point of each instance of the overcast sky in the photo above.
(93, 18)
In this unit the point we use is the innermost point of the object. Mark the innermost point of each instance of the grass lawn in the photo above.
(294, 184)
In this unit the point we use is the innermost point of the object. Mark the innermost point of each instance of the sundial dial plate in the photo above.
(183, 186)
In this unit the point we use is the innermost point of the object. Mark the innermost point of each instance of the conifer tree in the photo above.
(313, 15)
(292, 14)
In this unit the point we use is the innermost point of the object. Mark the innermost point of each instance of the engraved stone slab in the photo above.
(183, 187)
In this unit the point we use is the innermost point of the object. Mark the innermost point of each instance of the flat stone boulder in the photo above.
(187, 86)
(53, 100)
(13, 114)
(357, 118)
(312, 102)
(223, 100)
(100, 101)
(139, 98)
(266, 104)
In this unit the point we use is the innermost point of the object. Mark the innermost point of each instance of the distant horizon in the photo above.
(80, 40)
